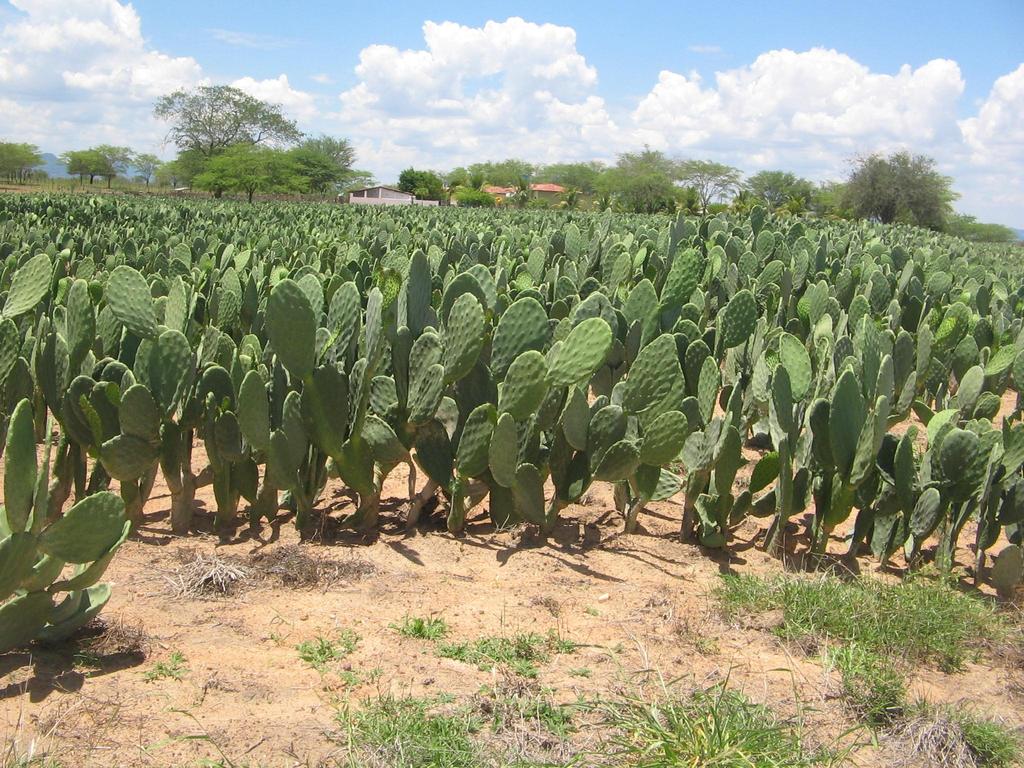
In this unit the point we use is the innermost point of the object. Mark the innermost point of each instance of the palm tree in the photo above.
(571, 198)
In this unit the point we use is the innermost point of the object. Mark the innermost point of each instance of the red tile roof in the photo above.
(547, 188)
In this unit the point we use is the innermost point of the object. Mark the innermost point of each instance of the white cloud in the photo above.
(250, 39)
(507, 88)
(708, 49)
(298, 104)
(322, 78)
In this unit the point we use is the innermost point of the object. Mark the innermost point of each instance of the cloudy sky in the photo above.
(802, 86)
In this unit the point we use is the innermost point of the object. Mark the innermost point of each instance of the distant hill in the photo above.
(54, 168)
(1020, 234)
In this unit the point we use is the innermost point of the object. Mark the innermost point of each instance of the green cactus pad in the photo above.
(664, 439)
(171, 370)
(126, 457)
(463, 337)
(19, 468)
(528, 492)
(683, 278)
(30, 284)
(503, 451)
(926, 514)
(434, 452)
(521, 327)
(793, 356)
(87, 531)
(525, 385)
(575, 419)
(472, 456)
(22, 618)
(652, 375)
(17, 556)
(129, 297)
(737, 321)
(325, 409)
(581, 353)
(847, 415)
(139, 414)
(254, 411)
(619, 462)
(291, 328)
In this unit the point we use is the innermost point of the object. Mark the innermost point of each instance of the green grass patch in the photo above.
(521, 653)
(174, 668)
(917, 619)
(525, 706)
(411, 733)
(712, 728)
(322, 651)
(431, 628)
(873, 686)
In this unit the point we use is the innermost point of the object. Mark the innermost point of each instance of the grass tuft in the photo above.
(173, 668)
(321, 651)
(712, 728)
(431, 628)
(521, 653)
(410, 733)
(872, 685)
(917, 619)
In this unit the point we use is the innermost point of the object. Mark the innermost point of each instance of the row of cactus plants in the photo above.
(513, 361)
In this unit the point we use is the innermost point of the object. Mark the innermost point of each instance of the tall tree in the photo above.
(17, 161)
(581, 176)
(85, 162)
(712, 180)
(426, 185)
(146, 166)
(641, 182)
(115, 160)
(507, 173)
(251, 169)
(325, 161)
(776, 187)
(901, 187)
(211, 118)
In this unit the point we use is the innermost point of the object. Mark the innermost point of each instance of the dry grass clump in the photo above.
(293, 566)
(206, 575)
(106, 637)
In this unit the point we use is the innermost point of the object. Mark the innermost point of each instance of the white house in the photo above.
(382, 195)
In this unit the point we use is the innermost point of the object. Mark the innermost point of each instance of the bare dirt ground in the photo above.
(633, 604)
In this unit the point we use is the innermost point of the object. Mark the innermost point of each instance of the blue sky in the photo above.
(797, 85)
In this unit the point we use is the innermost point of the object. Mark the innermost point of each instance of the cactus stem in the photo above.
(418, 501)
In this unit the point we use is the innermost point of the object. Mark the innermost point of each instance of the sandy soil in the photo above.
(633, 604)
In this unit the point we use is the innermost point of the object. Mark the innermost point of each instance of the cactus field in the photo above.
(838, 388)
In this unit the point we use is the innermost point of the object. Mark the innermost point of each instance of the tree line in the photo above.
(231, 142)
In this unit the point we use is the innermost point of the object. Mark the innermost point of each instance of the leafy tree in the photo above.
(776, 187)
(146, 165)
(325, 161)
(507, 173)
(211, 118)
(901, 187)
(182, 170)
(711, 180)
(85, 162)
(426, 185)
(969, 228)
(115, 160)
(571, 198)
(642, 182)
(17, 161)
(357, 180)
(250, 169)
(582, 176)
(473, 198)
